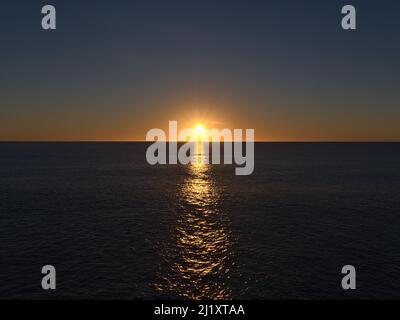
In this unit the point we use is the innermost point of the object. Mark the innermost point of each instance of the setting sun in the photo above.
(199, 130)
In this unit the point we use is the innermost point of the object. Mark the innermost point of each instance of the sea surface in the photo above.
(115, 227)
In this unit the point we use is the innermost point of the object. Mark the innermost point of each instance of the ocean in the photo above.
(115, 227)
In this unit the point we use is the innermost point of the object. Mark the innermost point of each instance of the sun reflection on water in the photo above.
(201, 252)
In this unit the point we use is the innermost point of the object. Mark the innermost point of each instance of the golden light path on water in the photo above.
(200, 264)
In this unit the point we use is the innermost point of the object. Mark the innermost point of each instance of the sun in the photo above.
(199, 131)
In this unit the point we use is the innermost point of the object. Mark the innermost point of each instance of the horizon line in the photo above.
(141, 141)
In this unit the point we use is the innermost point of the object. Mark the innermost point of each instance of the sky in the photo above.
(112, 70)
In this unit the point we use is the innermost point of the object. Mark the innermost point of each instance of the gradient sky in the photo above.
(114, 69)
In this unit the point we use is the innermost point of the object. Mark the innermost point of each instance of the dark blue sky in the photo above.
(114, 69)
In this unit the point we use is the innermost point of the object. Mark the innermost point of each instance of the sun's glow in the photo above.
(199, 131)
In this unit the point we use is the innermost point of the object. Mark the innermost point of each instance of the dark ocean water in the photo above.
(117, 228)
